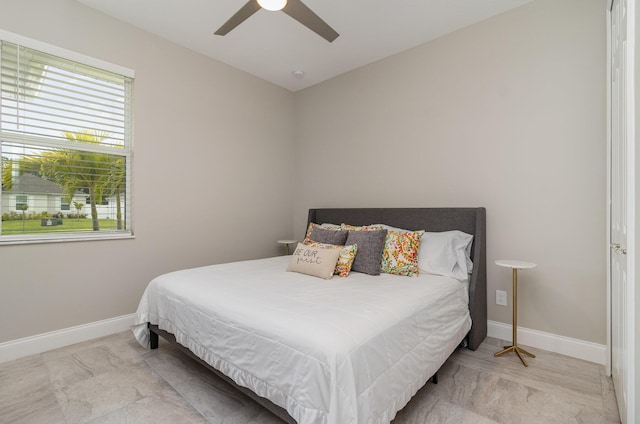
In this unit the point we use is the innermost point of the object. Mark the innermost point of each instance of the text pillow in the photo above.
(312, 260)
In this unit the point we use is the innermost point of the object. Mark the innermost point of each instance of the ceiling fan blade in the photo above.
(241, 15)
(301, 13)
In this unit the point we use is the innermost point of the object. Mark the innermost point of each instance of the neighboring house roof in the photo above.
(32, 184)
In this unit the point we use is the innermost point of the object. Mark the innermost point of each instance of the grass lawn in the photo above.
(69, 225)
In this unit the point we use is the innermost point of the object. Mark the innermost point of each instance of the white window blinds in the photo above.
(65, 142)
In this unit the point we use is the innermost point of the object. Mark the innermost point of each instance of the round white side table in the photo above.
(287, 243)
(515, 266)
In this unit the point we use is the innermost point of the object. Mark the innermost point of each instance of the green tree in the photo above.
(7, 174)
(75, 170)
(116, 185)
(78, 207)
(27, 165)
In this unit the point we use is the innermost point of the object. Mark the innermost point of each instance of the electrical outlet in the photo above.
(501, 297)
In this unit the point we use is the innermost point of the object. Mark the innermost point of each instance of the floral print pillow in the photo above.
(400, 253)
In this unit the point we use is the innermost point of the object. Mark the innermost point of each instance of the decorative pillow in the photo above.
(345, 260)
(446, 253)
(322, 235)
(360, 228)
(400, 253)
(369, 256)
(316, 261)
(312, 226)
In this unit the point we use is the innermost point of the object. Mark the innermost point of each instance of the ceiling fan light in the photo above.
(272, 5)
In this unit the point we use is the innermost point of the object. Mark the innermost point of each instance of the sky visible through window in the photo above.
(46, 108)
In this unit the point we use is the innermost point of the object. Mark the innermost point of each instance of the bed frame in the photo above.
(469, 220)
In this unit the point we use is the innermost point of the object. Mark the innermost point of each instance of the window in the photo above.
(65, 133)
(103, 202)
(21, 203)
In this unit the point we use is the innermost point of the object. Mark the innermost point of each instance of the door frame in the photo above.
(630, 374)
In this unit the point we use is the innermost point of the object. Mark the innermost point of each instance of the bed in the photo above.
(338, 351)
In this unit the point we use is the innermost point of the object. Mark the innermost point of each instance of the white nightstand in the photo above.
(515, 265)
(287, 243)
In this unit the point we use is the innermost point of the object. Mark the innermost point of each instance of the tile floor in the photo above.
(114, 380)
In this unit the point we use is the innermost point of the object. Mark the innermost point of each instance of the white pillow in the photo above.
(316, 261)
(446, 253)
(328, 226)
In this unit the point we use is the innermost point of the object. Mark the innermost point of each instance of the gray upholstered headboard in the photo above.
(469, 220)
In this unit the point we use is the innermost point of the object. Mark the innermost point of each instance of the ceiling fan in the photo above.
(294, 8)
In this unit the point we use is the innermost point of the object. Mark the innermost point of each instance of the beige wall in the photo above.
(210, 139)
(508, 114)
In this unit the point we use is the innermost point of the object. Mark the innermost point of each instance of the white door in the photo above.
(621, 366)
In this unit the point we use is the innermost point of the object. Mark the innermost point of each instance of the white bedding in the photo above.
(339, 351)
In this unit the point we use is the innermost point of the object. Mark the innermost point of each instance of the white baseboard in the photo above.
(67, 336)
(589, 351)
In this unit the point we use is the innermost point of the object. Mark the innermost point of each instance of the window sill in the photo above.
(66, 238)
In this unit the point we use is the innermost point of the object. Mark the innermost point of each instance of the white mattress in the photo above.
(339, 351)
